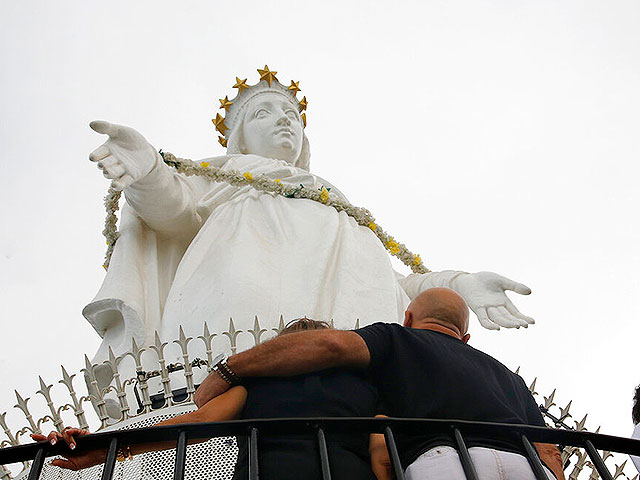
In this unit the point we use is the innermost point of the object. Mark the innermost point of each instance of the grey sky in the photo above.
(485, 135)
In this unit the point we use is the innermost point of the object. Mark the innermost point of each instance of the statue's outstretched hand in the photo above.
(125, 157)
(485, 294)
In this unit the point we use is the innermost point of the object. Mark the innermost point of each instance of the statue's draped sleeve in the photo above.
(165, 201)
(158, 221)
(416, 283)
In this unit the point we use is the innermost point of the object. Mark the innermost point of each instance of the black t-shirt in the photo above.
(428, 374)
(328, 393)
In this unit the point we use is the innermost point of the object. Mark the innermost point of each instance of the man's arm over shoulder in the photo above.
(292, 354)
(302, 352)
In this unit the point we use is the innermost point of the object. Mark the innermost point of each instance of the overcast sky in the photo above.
(485, 135)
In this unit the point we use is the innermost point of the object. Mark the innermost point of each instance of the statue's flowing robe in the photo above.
(192, 250)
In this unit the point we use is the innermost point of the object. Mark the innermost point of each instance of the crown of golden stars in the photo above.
(268, 83)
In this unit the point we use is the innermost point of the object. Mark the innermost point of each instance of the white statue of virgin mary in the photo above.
(192, 250)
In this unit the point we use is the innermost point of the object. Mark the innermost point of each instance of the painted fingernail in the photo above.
(53, 441)
(72, 446)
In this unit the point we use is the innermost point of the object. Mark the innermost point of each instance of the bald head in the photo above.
(440, 306)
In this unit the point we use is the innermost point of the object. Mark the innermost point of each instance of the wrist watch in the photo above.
(221, 368)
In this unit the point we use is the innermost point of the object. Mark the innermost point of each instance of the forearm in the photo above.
(292, 354)
(379, 456)
(227, 406)
(191, 417)
(300, 353)
(551, 457)
(416, 283)
(164, 201)
(380, 462)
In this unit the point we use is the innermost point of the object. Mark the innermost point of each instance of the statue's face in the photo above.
(272, 128)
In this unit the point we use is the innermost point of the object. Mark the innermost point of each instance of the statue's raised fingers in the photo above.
(104, 127)
(106, 162)
(114, 171)
(497, 316)
(513, 318)
(119, 134)
(516, 313)
(521, 288)
(122, 182)
(484, 320)
(99, 153)
(508, 284)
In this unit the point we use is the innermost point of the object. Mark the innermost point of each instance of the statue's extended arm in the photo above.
(484, 292)
(157, 194)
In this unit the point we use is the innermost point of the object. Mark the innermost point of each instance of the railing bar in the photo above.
(324, 455)
(181, 456)
(110, 460)
(393, 454)
(36, 465)
(534, 459)
(597, 461)
(254, 473)
(465, 458)
(26, 453)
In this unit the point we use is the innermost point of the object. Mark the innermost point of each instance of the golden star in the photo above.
(241, 85)
(267, 75)
(225, 103)
(303, 104)
(304, 119)
(294, 87)
(222, 141)
(219, 123)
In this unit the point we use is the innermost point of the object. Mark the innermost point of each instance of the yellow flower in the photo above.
(278, 181)
(417, 260)
(373, 226)
(204, 164)
(392, 246)
(324, 195)
(104, 266)
(248, 176)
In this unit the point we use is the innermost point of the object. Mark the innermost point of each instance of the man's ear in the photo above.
(465, 338)
(408, 319)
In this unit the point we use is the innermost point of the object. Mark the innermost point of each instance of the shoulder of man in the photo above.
(380, 327)
(379, 338)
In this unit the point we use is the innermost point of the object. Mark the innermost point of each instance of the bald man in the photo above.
(441, 310)
(422, 370)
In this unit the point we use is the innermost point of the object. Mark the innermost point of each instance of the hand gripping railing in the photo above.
(252, 429)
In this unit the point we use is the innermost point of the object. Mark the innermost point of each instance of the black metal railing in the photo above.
(252, 429)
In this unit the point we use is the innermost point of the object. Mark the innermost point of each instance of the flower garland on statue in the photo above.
(265, 184)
